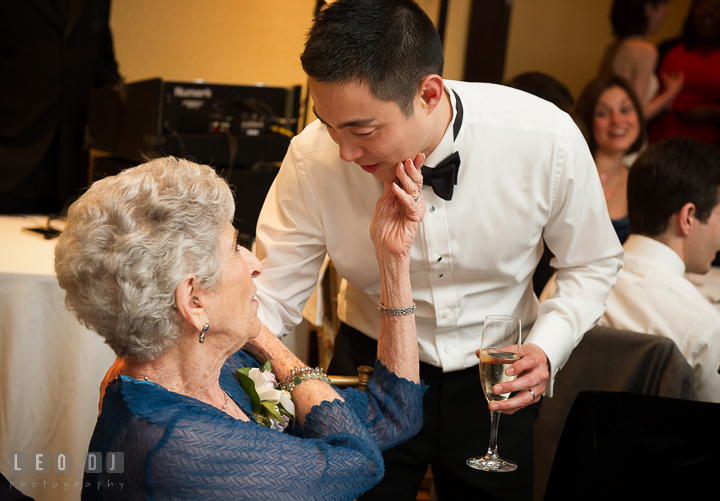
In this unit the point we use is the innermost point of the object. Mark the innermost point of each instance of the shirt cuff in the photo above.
(554, 336)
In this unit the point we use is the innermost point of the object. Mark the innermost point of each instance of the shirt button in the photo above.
(439, 258)
(445, 314)
(447, 349)
(432, 208)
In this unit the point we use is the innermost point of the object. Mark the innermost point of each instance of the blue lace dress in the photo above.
(176, 447)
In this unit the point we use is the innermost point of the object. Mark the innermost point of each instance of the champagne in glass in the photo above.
(499, 349)
(493, 364)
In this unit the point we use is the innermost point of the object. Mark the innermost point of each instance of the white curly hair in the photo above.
(130, 240)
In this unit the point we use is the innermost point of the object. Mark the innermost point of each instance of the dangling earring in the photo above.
(206, 327)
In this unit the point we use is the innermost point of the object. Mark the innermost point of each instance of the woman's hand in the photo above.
(396, 221)
(672, 84)
(399, 210)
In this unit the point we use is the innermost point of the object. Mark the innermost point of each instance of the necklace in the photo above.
(225, 405)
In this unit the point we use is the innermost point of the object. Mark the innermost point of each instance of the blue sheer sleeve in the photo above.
(391, 408)
(177, 447)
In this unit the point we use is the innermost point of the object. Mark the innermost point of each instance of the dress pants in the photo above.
(456, 426)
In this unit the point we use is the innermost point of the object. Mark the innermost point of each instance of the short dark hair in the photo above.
(588, 100)
(668, 175)
(389, 44)
(545, 87)
(689, 35)
(628, 17)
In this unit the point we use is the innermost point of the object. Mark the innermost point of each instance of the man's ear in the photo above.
(431, 91)
(687, 219)
(190, 301)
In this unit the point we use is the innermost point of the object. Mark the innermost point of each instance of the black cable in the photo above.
(233, 146)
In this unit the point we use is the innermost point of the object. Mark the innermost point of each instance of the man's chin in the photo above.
(699, 270)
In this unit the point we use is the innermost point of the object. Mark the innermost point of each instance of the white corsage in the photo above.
(272, 406)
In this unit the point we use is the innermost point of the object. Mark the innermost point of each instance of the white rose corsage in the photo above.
(272, 406)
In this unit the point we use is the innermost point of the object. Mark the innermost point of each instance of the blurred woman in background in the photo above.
(612, 115)
(635, 59)
(696, 111)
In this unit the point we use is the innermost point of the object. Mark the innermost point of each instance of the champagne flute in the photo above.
(499, 349)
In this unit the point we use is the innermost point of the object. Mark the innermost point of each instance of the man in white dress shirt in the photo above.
(674, 211)
(502, 170)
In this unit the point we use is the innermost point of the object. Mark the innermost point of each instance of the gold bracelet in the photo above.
(397, 312)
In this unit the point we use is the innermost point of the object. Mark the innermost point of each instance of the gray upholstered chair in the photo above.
(608, 360)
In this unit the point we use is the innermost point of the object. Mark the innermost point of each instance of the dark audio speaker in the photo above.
(251, 186)
(213, 124)
(242, 131)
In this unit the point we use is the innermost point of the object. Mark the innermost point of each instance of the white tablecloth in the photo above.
(50, 366)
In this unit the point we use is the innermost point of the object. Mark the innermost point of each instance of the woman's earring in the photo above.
(205, 328)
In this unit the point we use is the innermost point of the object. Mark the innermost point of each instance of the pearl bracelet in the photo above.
(298, 375)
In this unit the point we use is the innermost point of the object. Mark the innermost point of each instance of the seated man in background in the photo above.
(674, 211)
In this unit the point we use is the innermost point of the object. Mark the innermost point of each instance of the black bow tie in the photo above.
(444, 177)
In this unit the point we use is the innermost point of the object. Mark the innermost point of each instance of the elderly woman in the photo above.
(149, 261)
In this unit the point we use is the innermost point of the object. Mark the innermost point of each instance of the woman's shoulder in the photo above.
(638, 44)
(147, 400)
(636, 49)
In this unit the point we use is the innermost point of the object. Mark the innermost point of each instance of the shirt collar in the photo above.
(445, 147)
(657, 253)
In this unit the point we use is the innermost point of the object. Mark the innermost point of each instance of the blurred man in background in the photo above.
(52, 52)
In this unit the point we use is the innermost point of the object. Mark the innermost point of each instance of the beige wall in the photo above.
(248, 41)
(236, 41)
(221, 41)
(566, 38)
(458, 18)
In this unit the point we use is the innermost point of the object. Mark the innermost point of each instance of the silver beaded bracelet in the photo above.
(298, 375)
(397, 312)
